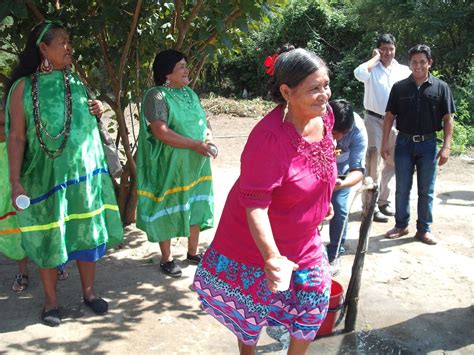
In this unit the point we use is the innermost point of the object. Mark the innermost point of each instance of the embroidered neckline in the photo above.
(320, 155)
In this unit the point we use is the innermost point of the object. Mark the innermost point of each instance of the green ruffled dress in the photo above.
(73, 206)
(174, 185)
(10, 237)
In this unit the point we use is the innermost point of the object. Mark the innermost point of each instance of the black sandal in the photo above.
(98, 305)
(170, 268)
(195, 259)
(20, 283)
(51, 317)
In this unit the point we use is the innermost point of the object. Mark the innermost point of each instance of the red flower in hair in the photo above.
(270, 63)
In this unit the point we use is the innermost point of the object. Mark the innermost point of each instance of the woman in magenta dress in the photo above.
(288, 173)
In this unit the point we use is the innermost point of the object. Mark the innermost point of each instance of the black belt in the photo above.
(417, 138)
(372, 113)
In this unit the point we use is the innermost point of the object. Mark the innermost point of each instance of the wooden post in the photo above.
(352, 294)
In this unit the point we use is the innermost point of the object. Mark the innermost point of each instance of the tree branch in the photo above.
(178, 8)
(105, 51)
(197, 70)
(131, 34)
(34, 10)
(184, 28)
(118, 91)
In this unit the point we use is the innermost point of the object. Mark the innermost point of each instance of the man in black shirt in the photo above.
(421, 106)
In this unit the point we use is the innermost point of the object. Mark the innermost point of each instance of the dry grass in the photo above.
(241, 108)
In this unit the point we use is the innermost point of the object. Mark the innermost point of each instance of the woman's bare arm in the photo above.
(16, 140)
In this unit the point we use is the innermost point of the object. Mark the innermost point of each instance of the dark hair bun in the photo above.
(164, 64)
(285, 48)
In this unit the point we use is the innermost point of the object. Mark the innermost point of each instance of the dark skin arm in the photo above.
(16, 141)
(2, 126)
(165, 134)
(448, 124)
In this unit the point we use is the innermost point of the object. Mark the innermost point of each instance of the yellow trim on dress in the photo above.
(174, 189)
(69, 218)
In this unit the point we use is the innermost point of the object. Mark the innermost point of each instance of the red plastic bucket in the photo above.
(336, 302)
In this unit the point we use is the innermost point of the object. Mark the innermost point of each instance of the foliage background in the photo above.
(115, 42)
(344, 34)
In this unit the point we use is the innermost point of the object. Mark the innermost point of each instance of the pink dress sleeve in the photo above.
(261, 169)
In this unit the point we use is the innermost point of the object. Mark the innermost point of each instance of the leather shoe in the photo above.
(396, 232)
(426, 237)
(379, 217)
(98, 305)
(386, 210)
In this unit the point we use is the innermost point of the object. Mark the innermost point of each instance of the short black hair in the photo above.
(292, 68)
(386, 38)
(164, 64)
(420, 48)
(343, 115)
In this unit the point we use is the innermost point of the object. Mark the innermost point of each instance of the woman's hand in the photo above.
(273, 270)
(96, 108)
(202, 148)
(17, 190)
(330, 213)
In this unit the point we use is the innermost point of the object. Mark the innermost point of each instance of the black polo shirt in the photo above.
(420, 111)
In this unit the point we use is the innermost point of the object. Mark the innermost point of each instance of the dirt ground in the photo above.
(414, 298)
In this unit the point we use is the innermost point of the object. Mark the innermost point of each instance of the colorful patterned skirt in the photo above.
(237, 296)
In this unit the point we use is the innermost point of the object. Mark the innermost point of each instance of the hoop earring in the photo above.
(167, 83)
(46, 66)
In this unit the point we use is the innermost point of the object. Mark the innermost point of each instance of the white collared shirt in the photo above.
(378, 83)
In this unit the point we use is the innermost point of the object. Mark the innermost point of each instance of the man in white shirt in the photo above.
(379, 74)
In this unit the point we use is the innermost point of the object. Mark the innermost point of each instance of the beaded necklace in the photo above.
(181, 95)
(40, 126)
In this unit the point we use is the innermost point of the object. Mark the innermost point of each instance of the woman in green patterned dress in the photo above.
(175, 197)
(56, 159)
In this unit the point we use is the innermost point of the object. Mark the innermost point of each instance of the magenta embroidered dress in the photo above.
(294, 180)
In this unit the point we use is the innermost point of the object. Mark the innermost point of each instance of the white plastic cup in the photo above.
(213, 149)
(286, 270)
(22, 202)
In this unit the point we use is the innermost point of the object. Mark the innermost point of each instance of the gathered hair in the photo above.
(291, 68)
(30, 58)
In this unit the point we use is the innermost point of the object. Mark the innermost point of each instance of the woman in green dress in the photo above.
(175, 197)
(10, 236)
(56, 159)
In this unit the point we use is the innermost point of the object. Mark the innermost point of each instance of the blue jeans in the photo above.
(337, 225)
(409, 155)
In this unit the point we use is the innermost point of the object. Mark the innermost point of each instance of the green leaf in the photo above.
(226, 42)
(242, 24)
(7, 21)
